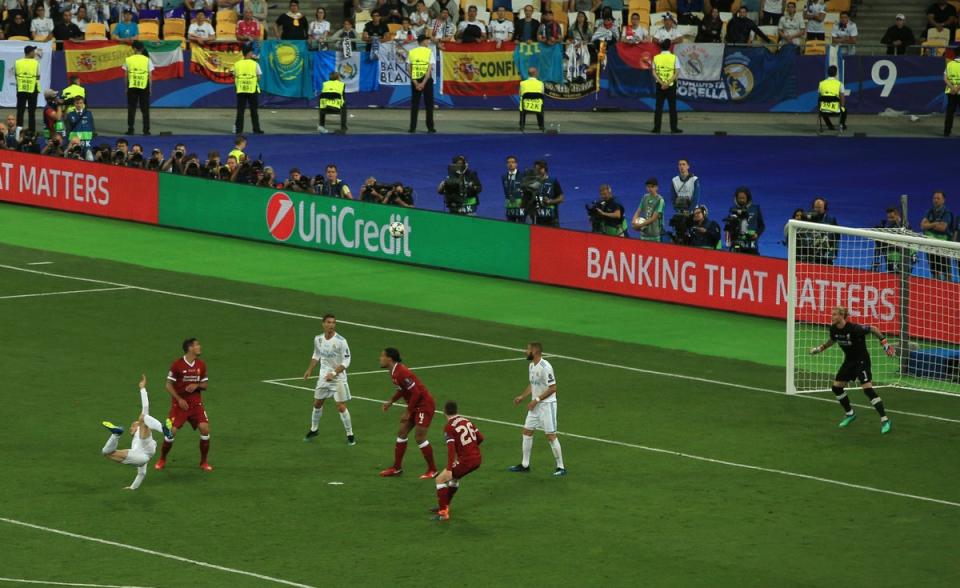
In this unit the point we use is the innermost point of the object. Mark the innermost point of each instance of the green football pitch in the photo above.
(687, 464)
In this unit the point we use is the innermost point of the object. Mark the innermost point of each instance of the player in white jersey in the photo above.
(331, 351)
(541, 410)
(143, 446)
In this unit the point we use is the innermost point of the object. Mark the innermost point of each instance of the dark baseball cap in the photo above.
(29, 49)
(421, 38)
(652, 182)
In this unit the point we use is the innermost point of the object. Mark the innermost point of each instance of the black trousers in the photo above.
(243, 100)
(27, 101)
(670, 95)
(343, 117)
(138, 98)
(427, 94)
(826, 118)
(523, 119)
(953, 100)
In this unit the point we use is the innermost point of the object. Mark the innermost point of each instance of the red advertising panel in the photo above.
(79, 186)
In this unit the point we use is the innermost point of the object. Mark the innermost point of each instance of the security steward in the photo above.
(512, 194)
(665, 75)
(246, 75)
(332, 101)
(531, 98)
(607, 216)
(420, 63)
(549, 196)
(139, 69)
(831, 100)
(27, 71)
(951, 76)
(239, 144)
(71, 92)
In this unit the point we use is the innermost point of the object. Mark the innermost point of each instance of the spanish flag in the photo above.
(480, 69)
(99, 61)
(214, 61)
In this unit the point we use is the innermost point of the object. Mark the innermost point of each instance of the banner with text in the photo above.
(480, 69)
(78, 186)
(347, 226)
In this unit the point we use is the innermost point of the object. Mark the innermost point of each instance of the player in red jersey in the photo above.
(186, 379)
(417, 416)
(463, 457)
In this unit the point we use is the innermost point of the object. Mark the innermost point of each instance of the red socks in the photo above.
(165, 449)
(398, 452)
(427, 452)
(204, 448)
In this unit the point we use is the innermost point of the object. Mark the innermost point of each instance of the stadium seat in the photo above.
(480, 4)
(362, 17)
(725, 17)
(392, 29)
(227, 31)
(149, 30)
(815, 48)
(18, 38)
(517, 5)
(95, 32)
(666, 5)
(174, 29)
(656, 18)
(482, 15)
(558, 7)
(837, 5)
(227, 16)
(689, 32)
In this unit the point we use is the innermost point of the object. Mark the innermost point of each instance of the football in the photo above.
(397, 229)
(638, 221)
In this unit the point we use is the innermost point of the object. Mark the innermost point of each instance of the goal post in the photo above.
(907, 285)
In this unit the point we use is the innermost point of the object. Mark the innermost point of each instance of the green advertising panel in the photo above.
(347, 226)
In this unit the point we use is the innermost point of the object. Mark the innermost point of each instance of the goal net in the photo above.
(903, 283)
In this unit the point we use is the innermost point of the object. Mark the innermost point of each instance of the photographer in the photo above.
(685, 195)
(54, 146)
(211, 167)
(400, 195)
(269, 179)
(461, 188)
(333, 185)
(542, 195)
(297, 182)
(512, 194)
(702, 231)
(814, 246)
(607, 216)
(374, 192)
(53, 116)
(886, 256)
(744, 223)
(155, 163)
(175, 163)
(28, 142)
(191, 165)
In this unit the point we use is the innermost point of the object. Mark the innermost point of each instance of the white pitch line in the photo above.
(690, 456)
(202, 564)
(424, 367)
(40, 263)
(439, 337)
(52, 583)
(38, 294)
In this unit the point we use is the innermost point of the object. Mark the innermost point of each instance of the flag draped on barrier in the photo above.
(548, 59)
(10, 52)
(214, 61)
(479, 69)
(99, 61)
(286, 69)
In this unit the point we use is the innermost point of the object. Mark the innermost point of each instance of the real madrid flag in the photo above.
(287, 69)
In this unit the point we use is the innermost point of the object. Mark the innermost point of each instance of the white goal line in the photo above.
(679, 454)
(39, 294)
(52, 583)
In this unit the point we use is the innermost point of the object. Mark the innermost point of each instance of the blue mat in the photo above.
(859, 177)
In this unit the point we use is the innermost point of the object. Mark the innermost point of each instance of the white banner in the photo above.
(699, 62)
(10, 52)
(349, 70)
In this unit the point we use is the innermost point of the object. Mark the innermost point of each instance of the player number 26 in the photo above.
(467, 434)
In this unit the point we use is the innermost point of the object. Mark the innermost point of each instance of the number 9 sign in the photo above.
(884, 74)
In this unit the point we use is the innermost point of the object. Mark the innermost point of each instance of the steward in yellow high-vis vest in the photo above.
(138, 67)
(531, 98)
(420, 65)
(70, 92)
(27, 71)
(332, 101)
(831, 99)
(951, 77)
(246, 75)
(665, 75)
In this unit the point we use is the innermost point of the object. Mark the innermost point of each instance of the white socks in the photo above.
(315, 419)
(111, 444)
(345, 419)
(557, 454)
(152, 423)
(527, 447)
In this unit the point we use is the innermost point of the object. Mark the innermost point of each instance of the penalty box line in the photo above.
(682, 454)
(424, 367)
(52, 583)
(780, 393)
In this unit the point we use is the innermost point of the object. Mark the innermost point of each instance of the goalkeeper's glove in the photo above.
(816, 350)
(887, 348)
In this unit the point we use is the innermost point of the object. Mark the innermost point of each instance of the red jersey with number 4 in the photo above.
(183, 373)
(413, 391)
(463, 442)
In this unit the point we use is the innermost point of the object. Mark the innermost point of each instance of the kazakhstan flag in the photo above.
(287, 69)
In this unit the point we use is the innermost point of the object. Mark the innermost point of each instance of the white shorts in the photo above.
(338, 390)
(141, 451)
(543, 417)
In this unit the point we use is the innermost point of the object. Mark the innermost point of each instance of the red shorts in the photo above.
(422, 417)
(463, 468)
(195, 414)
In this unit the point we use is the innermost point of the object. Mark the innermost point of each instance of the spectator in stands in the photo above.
(770, 12)
(572, 5)
(391, 11)
(501, 28)
(549, 31)
(744, 223)
(319, 28)
(346, 32)
(938, 224)
(580, 31)
(898, 37)
(941, 15)
(260, 10)
(201, 31)
(81, 19)
(442, 29)
(526, 30)
(248, 29)
(792, 28)
(614, 6)
(710, 29)
(686, 10)
(605, 31)
(845, 34)
(669, 31)
(740, 28)
(634, 32)
(375, 29)
(17, 26)
(420, 19)
(814, 15)
(291, 26)
(471, 30)
(409, 6)
(452, 6)
(127, 31)
(650, 211)
(41, 27)
(753, 9)
(405, 34)
(702, 231)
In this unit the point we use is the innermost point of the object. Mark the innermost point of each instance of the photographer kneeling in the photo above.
(461, 188)
(744, 223)
(702, 231)
(607, 215)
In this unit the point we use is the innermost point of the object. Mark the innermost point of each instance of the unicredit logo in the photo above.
(281, 217)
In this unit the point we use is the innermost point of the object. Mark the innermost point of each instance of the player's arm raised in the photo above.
(822, 347)
(176, 397)
(887, 348)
